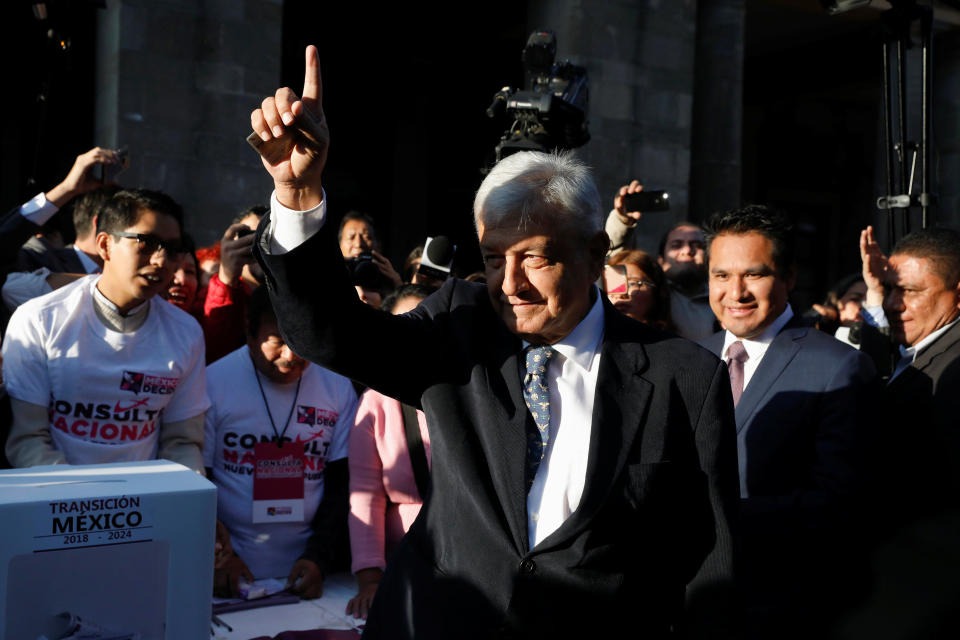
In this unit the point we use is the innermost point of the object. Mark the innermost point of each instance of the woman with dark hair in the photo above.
(648, 297)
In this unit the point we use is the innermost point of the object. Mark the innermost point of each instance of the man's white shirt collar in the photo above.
(756, 347)
(581, 344)
(86, 261)
(909, 354)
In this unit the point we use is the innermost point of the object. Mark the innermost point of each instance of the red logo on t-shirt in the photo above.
(306, 415)
(137, 382)
(131, 381)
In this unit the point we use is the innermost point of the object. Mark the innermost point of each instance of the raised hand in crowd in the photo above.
(294, 139)
(80, 179)
(627, 217)
(874, 268)
(235, 252)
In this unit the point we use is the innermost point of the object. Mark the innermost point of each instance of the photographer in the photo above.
(225, 304)
(358, 239)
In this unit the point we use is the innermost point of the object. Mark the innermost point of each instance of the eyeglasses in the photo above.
(149, 244)
(639, 285)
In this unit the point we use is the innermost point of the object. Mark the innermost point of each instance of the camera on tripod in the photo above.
(551, 112)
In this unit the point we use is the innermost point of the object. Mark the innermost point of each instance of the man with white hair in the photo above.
(582, 464)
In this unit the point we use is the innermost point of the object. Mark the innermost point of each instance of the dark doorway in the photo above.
(811, 131)
(49, 96)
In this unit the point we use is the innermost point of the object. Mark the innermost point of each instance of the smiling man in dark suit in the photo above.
(581, 461)
(798, 396)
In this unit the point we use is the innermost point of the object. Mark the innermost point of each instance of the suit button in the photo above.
(528, 566)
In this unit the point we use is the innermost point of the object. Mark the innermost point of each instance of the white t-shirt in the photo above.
(325, 408)
(108, 392)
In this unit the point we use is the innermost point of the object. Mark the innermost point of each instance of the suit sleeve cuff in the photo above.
(874, 316)
(289, 228)
(38, 209)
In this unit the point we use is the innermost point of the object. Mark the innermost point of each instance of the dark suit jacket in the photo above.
(921, 431)
(800, 427)
(917, 502)
(34, 254)
(661, 447)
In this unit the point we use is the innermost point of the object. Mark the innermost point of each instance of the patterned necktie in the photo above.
(736, 356)
(537, 396)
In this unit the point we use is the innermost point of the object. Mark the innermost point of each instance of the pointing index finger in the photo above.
(312, 86)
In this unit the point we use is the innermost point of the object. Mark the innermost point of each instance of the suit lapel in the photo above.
(940, 345)
(619, 406)
(778, 355)
(508, 453)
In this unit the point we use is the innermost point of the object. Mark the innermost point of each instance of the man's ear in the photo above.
(103, 245)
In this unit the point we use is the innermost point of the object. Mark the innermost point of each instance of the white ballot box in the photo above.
(114, 551)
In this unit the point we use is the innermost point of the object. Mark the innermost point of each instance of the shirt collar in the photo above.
(104, 302)
(86, 261)
(926, 342)
(582, 344)
(759, 344)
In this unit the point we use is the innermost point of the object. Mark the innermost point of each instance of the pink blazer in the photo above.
(384, 500)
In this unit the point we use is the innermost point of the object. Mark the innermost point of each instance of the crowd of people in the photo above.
(583, 432)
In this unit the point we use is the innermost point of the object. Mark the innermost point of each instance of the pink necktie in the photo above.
(736, 356)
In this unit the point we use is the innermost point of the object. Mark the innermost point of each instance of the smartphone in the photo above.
(615, 279)
(646, 201)
(244, 232)
(107, 173)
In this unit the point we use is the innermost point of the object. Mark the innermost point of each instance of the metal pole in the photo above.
(926, 21)
(902, 118)
(888, 133)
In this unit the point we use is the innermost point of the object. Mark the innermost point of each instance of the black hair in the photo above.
(356, 215)
(940, 246)
(189, 246)
(87, 206)
(123, 210)
(258, 210)
(259, 308)
(419, 291)
(756, 218)
(662, 247)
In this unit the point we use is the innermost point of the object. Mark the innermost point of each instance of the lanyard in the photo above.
(296, 394)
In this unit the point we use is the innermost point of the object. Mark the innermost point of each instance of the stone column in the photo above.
(715, 168)
(639, 56)
(176, 82)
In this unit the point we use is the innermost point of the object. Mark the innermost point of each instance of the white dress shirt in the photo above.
(757, 347)
(571, 378)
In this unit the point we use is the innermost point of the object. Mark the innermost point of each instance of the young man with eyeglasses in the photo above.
(97, 371)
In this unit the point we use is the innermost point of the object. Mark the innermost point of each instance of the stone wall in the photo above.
(640, 60)
(176, 81)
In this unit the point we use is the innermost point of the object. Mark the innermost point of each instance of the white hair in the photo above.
(543, 188)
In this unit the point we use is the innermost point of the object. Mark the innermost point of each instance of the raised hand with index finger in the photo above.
(290, 133)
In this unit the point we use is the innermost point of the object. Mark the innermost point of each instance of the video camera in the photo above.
(550, 113)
